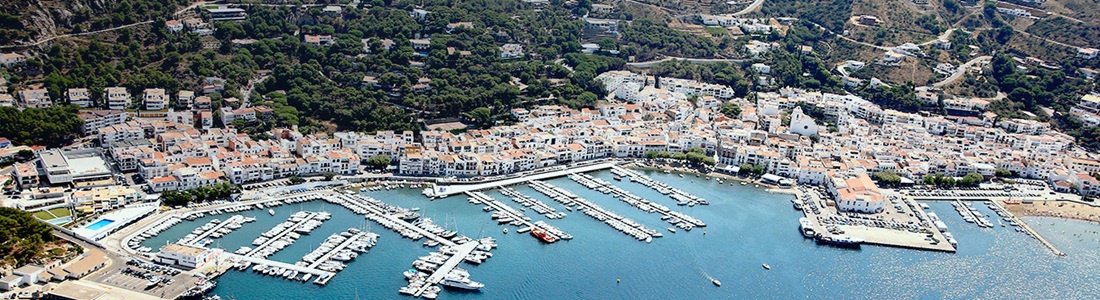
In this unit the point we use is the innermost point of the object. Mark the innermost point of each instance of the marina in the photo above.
(681, 197)
(675, 218)
(505, 214)
(624, 224)
(285, 233)
(441, 191)
(214, 229)
(970, 214)
(532, 203)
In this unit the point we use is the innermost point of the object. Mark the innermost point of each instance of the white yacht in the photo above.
(456, 280)
(806, 227)
(271, 211)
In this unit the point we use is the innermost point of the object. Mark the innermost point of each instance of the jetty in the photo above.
(362, 205)
(507, 214)
(322, 276)
(213, 229)
(448, 266)
(624, 224)
(681, 197)
(532, 203)
(441, 191)
(1027, 228)
(675, 218)
(343, 245)
(280, 237)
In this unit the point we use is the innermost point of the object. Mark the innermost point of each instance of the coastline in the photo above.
(1062, 209)
(767, 187)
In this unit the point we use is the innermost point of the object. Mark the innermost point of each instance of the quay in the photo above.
(518, 217)
(814, 208)
(441, 191)
(532, 203)
(1027, 228)
(681, 197)
(324, 258)
(448, 266)
(359, 206)
(675, 218)
(624, 224)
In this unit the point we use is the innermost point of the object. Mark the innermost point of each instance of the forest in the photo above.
(51, 127)
(22, 237)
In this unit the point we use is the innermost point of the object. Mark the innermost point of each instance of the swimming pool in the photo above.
(99, 224)
(61, 221)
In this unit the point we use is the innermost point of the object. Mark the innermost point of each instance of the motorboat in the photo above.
(271, 211)
(716, 282)
(767, 267)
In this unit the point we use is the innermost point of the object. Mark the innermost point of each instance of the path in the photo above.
(961, 70)
(748, 9)
(447, 190)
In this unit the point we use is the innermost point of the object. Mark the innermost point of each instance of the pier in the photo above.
(517, 218)
(676, 218)
(322, 276)
(344, 245)
(532, 203)
(624, 224)
(814, 211)
(448, 266)
(681, 197)
(358, 204)
(454, 189)
(259, 250)
(1027, 228)
(235, 220)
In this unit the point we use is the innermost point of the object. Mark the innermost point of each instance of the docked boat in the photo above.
(271, 211)
(673, 230)
(797, 204)
(543, 235)
(806, 227)
(841, 240)
(456, 280)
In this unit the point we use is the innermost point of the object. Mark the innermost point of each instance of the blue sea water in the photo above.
(747, 227)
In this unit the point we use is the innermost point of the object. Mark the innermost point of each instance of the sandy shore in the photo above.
(1056, 209)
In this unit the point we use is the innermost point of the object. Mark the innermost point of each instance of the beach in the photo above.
(1057, 209)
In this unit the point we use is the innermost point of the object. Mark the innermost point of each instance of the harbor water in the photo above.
(746, 227)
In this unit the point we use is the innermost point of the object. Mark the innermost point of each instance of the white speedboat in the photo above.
(767, 267)
(456, 280)
(271, 211)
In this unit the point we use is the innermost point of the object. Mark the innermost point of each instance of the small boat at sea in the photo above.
(271, 211)
(673, 230)
(716, 282)
(505, 230)
(767, 267)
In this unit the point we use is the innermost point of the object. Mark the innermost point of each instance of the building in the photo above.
(868, 20)
(184, 256)
(75, 166)
(333, 10)
(101, 199)
(802, 124)
(96, 119)
(510, 51)
(35, 98)
(202, 102)
(118, 98)
(226, 14)
(319, 40)
(7, 100)
(79, 97)
(603, 25)
(30, 274)
(421, 44)
(1087, 53)
(89, 262)
(9, 60)
(858, 194)
(11, 282)
(155, 99)
(185, 98)
(25, 175)
(173, 25)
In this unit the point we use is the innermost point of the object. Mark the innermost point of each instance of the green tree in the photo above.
(379, 162)
(887, 177)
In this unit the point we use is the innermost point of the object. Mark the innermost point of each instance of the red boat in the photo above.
(543, 235)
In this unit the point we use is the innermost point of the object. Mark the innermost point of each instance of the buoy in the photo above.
(619, 280)
(704, 232)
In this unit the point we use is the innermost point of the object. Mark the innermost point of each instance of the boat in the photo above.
(806, 227)
(716, 282)
(841, 241)
(456, 280)
(670, 229)
(271, 211)
(744, 183)
(543, 235)
(767, 267)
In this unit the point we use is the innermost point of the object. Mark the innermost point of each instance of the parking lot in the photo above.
(144, 277)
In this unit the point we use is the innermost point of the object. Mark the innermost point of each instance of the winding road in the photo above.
(48, 39)
(961, 70)
(651, 63)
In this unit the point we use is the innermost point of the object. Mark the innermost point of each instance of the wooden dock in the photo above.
(352, 200)
(264, 261)
(281, 234)
(204, 235)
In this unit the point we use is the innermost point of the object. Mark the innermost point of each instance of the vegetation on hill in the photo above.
(53, 127)
(647, 40)
(27, 20)
(22, 237)
(1067, 31)
(831, 14)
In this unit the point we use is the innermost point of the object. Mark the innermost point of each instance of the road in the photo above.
(748, 9)
(961, 70)
(48, 39)
(651, 63)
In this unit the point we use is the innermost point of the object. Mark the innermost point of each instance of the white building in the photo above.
(79, 97)
(859, 194)
(802, 123)
(155, 99)
(35, 98)
(510, 51)
(184, 255)
(9, 60)
(117, 98)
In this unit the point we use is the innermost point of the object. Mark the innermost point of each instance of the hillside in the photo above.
(26, 21)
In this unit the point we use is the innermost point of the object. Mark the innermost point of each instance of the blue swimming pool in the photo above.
(99, 224)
